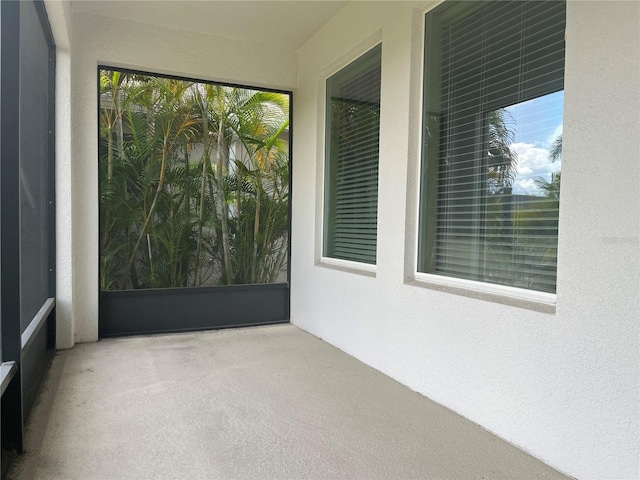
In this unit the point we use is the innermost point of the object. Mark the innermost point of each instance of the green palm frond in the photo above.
(177, 207)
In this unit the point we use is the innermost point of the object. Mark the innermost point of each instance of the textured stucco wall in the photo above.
(563, 386)
(59, 14)
(64, 189)
(100, 40)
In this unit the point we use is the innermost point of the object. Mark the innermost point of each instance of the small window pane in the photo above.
(351, 177)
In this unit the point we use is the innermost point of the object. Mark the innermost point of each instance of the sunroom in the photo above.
(380, 212)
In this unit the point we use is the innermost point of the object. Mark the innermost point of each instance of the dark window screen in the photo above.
(34, 157)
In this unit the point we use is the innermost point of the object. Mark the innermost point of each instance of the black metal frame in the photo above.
(10, 219)
(145, 311)
(27, 353)
(163, 310)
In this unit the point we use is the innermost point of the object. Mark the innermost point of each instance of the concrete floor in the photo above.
(263, 403)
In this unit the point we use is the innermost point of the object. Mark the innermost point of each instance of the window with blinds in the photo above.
(493, 102)
(351, 160)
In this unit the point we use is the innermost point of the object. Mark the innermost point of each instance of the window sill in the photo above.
(516, 297)
(348, 266)
(7, 372)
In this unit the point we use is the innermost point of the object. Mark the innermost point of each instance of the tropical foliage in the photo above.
(502, 161)
(194, 183)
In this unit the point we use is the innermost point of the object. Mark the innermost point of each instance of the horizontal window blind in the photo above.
(351, 175)
(494, 75)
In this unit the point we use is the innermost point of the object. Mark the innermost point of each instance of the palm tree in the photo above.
(555, 153)
(502, 161)
(166, 223)
(551, 188)
(259, 126)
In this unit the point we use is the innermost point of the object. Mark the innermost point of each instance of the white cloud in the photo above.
(533, 162)
(524, 170)
(525, 186)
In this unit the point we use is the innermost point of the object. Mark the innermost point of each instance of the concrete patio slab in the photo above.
(256, 403)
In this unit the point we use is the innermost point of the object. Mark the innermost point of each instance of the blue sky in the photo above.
(536, 124)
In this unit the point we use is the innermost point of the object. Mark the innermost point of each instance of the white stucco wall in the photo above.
(99, 40)
(59, 14)
(563, 386)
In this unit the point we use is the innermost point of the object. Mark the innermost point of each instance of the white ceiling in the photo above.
(287, 24)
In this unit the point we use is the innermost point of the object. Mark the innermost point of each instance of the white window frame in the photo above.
(520, 297)
(349, 266)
